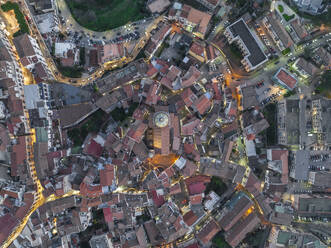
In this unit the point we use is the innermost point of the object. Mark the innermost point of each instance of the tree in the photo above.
(307, 54)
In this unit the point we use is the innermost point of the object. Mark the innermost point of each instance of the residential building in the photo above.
(313, 7)
(208, 231)
(247, 97)
(277, 32)
(305, 68)
(285, 79)
(101, 241)
(198, 51)
(322, 57)
(299, 31)
(210, 4)
(194, 20)
(239, 231)
(31, 57)
(249, 44)
(234, 210)
(291, 237)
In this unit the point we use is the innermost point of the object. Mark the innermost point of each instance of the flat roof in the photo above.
(239, 28)
(301, 165)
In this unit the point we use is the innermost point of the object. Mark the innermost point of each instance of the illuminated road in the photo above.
(100, 71)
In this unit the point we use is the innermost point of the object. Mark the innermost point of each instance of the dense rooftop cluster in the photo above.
(185, 146)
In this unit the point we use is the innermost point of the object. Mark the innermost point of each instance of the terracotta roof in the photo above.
(159, 35)
(237, 210)
(238, 232)
(107, 175)
(137, 131)
(93, 148)
(151, 70)
(128, 89)
(197, 49)
(188, 128)
(93, 57)
(196, 245)
(299, 28)
(190, 218)
(189, 169)
(282, 155)
(152, 96)
(201, 19)
(23, 46)
(196, 199)
(208, 232)
(217, 91)
(107, 214)
(89, 190)
(196, 184)
(189, 97)
(202, 104)
(190, 77)
(7, 223)
(10, 193)
(175, 189)
(157, 199)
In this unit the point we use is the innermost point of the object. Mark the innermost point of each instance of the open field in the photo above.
(102, 15)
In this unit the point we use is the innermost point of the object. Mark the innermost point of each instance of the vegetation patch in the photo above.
(280, 8)
(269, 113)
(219, 242)
(24, 28)
(325, 87)
(216, 185)
(195, 4)
(102, 15)
(290, 93)
(324, 18)
(72, 72)
(119, 114)
(82, 55)
(254, 239)
(287, 17)
(92, 124)
(236, 51)
(286, 51)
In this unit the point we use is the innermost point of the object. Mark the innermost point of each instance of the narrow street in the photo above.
(100, 71)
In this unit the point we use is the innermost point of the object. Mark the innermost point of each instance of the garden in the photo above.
(97, 121)
(24, 28)
(288, 17)
(325, 86)
(102, 15)
(216, 185)
(270, 113)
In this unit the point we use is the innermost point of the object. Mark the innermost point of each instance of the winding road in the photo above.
(104, 67)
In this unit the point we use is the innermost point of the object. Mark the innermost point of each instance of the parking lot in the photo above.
(267, 92)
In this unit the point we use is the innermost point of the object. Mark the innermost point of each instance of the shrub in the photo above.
(286, 51)
(24, 28)
(280, 8)
(287, 17)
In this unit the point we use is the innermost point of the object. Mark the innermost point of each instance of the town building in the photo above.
(248, 43)
(277, 32)
(285, 79)
(194, 20)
